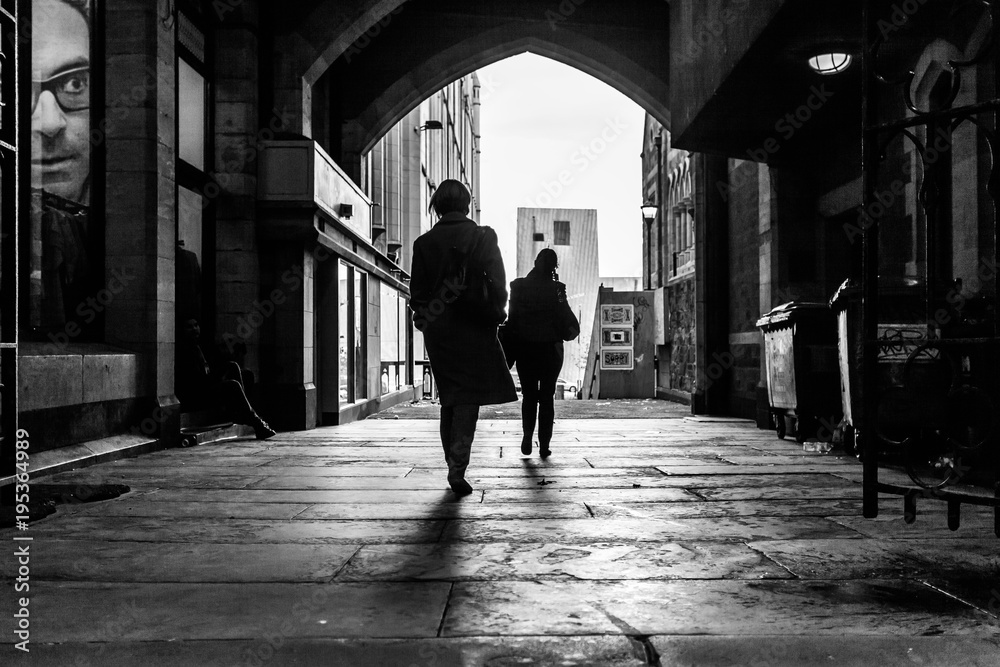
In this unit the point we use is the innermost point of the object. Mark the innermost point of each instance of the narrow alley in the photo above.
(669, 540)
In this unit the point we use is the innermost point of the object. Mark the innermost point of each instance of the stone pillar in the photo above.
(140, 198)
(711, 283)
(292, 98)
(237, 132)
(288, 354)
(770, 281)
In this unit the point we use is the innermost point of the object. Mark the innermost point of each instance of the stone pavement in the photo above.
(662, 541)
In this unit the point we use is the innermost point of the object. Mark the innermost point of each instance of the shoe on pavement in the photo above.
(526, 445)
(262, 430)
(461, 487)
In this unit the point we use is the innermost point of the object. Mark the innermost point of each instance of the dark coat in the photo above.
(465, 355)
(537, 306)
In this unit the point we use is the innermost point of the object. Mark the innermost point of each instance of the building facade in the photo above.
(669, 260)
(572, 233)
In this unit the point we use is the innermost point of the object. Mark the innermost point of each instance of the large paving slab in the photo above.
(608, 651)
(92, 560)
(147, 612)
(709, 607)
(460, 510)
(799, 651)
(577, 531)
(239, 531)
(529, 561)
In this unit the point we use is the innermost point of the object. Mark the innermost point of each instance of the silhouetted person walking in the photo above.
(465, 355)
(540, 320)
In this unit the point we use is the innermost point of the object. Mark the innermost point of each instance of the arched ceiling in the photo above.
(380, 59)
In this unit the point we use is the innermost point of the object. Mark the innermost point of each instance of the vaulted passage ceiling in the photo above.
(364, 65)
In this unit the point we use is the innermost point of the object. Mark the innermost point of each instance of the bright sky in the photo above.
(542, 120)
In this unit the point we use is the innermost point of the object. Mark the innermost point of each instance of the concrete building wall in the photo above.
(578, 268)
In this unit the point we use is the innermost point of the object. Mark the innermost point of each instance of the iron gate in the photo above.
(931, 366)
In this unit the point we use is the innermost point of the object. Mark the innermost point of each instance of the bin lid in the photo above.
(787, 313)
(888, 287)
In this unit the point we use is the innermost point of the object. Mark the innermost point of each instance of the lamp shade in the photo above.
(649, 210)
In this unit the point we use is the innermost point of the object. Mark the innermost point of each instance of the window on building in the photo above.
(562, 232)
(393, 340)
(359, 366)
(344, 331)
(539, 237)
(352, 327)
(195, 212)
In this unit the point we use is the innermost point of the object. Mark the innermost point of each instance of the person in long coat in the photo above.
(465, 356)
(540, 319)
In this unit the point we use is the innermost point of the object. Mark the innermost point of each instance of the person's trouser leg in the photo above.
(447, 417)
(546, 412)
(463, 431)
(240, 411)
(529, 405)
(546, 399)
(236, 403)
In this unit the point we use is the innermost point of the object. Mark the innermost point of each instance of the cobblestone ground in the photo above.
(663, 540)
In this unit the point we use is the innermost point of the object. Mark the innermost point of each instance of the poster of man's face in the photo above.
(60, 98)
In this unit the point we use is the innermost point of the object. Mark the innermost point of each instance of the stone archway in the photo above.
(351, 82)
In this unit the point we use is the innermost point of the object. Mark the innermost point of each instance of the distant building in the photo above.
(669, 260)
(572, 233)
(623, 284)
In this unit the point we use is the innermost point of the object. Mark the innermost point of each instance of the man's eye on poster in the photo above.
(60, 234)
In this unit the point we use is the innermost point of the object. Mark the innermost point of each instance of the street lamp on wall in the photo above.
(649, 210)
(429, 125)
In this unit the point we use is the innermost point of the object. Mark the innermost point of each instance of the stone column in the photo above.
(140, 140)
(288, 354)
(237, 132)
(711, 282)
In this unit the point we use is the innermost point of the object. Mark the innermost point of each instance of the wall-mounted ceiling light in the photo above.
(830, 63)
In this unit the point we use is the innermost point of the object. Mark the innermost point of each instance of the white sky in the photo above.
(537, 118)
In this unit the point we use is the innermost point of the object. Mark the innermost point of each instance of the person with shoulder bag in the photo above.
(458, 294)
(540, 320)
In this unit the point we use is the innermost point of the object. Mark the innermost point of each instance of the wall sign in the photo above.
(617, 339)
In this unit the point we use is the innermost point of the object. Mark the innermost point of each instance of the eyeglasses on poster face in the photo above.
(71, 89)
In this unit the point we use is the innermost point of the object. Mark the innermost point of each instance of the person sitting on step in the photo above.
(200, 387)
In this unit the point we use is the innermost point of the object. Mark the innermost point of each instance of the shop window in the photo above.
(64, 237)
(343, 332)
(190, 115)
(359, 369)
(195, 252)
(352, 333)
(393, 344)
(189, 255)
